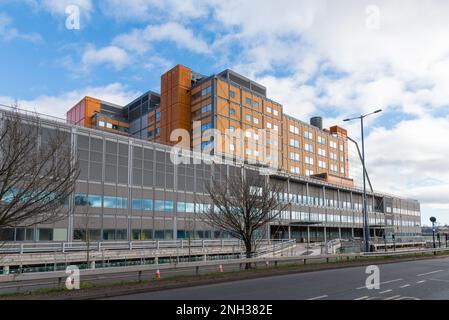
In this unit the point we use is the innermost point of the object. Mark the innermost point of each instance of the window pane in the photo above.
(137, 204)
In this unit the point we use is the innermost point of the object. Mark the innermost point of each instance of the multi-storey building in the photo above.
(129, 188)
(250, 126)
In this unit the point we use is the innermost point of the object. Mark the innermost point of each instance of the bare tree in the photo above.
(243, 205)
(38, 170)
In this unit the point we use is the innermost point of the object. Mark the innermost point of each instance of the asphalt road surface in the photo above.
(414, 280)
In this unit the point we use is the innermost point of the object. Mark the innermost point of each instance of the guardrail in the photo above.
(58, 276)
(65, 247)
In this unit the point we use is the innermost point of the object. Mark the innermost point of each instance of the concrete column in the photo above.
(308, 234)
(325, 235)
(5, 270)
(352, 232)
(289, 232)
(92, 265)
(339, 232)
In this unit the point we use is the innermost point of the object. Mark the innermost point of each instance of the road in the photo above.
(413, 280)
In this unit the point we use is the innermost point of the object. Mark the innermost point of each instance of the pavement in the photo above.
(411, 280)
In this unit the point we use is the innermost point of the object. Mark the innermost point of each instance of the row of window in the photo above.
(110, 202)
(109, 125)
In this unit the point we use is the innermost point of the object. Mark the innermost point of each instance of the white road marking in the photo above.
(439, 280)
(389, 290)
(432, 272)
(395, 280)
(362, 298)
(320, 297)
(393, 297)
(405, 286)
(422, 281)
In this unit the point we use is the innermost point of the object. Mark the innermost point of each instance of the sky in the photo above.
(336, 59)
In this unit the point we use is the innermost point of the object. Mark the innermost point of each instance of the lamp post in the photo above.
(365, 204)
(433, 220)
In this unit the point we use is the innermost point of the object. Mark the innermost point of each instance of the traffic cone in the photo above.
(158, 274)
(220, 268)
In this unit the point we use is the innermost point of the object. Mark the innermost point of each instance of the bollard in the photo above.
(197, 270)
(158, 274)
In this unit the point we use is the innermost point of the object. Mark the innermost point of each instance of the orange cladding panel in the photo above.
(175, 101)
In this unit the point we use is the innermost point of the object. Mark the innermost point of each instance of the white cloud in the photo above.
(58, 105)
(58, 7)
(9, 33)
(111, 55)
(140, 40)
(154, 10)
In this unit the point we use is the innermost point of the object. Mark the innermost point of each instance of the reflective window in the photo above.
(94, 201)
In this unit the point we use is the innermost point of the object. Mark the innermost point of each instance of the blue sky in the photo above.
(315, 57)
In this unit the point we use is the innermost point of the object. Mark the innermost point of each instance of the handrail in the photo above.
(64, 247)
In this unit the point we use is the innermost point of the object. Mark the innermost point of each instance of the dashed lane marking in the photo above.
(425, 274)
(320, 297)
(362, 298)
(422, 281)
(393, 297)
(390, 281)
(389, 290)
(405, 286)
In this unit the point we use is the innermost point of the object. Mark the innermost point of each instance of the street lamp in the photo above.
(365, 208)
(433, 220)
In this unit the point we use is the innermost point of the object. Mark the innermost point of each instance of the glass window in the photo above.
(94, 201)
(168, 206)
(232, 94)
(181, 207)
(190, 207)
(137, 204)
(255, 104)
(147, 204)
(231, 111)
(110, 202)
(81, 199)
(122, 203)
(159, 205)
(248, 117)
(206, 108)
(206, 126)
(248, 100)
(206, 91)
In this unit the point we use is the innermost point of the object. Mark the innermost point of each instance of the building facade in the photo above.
(250, 126)
(130, 189)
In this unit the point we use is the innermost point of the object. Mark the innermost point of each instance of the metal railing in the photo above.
(66, 247)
